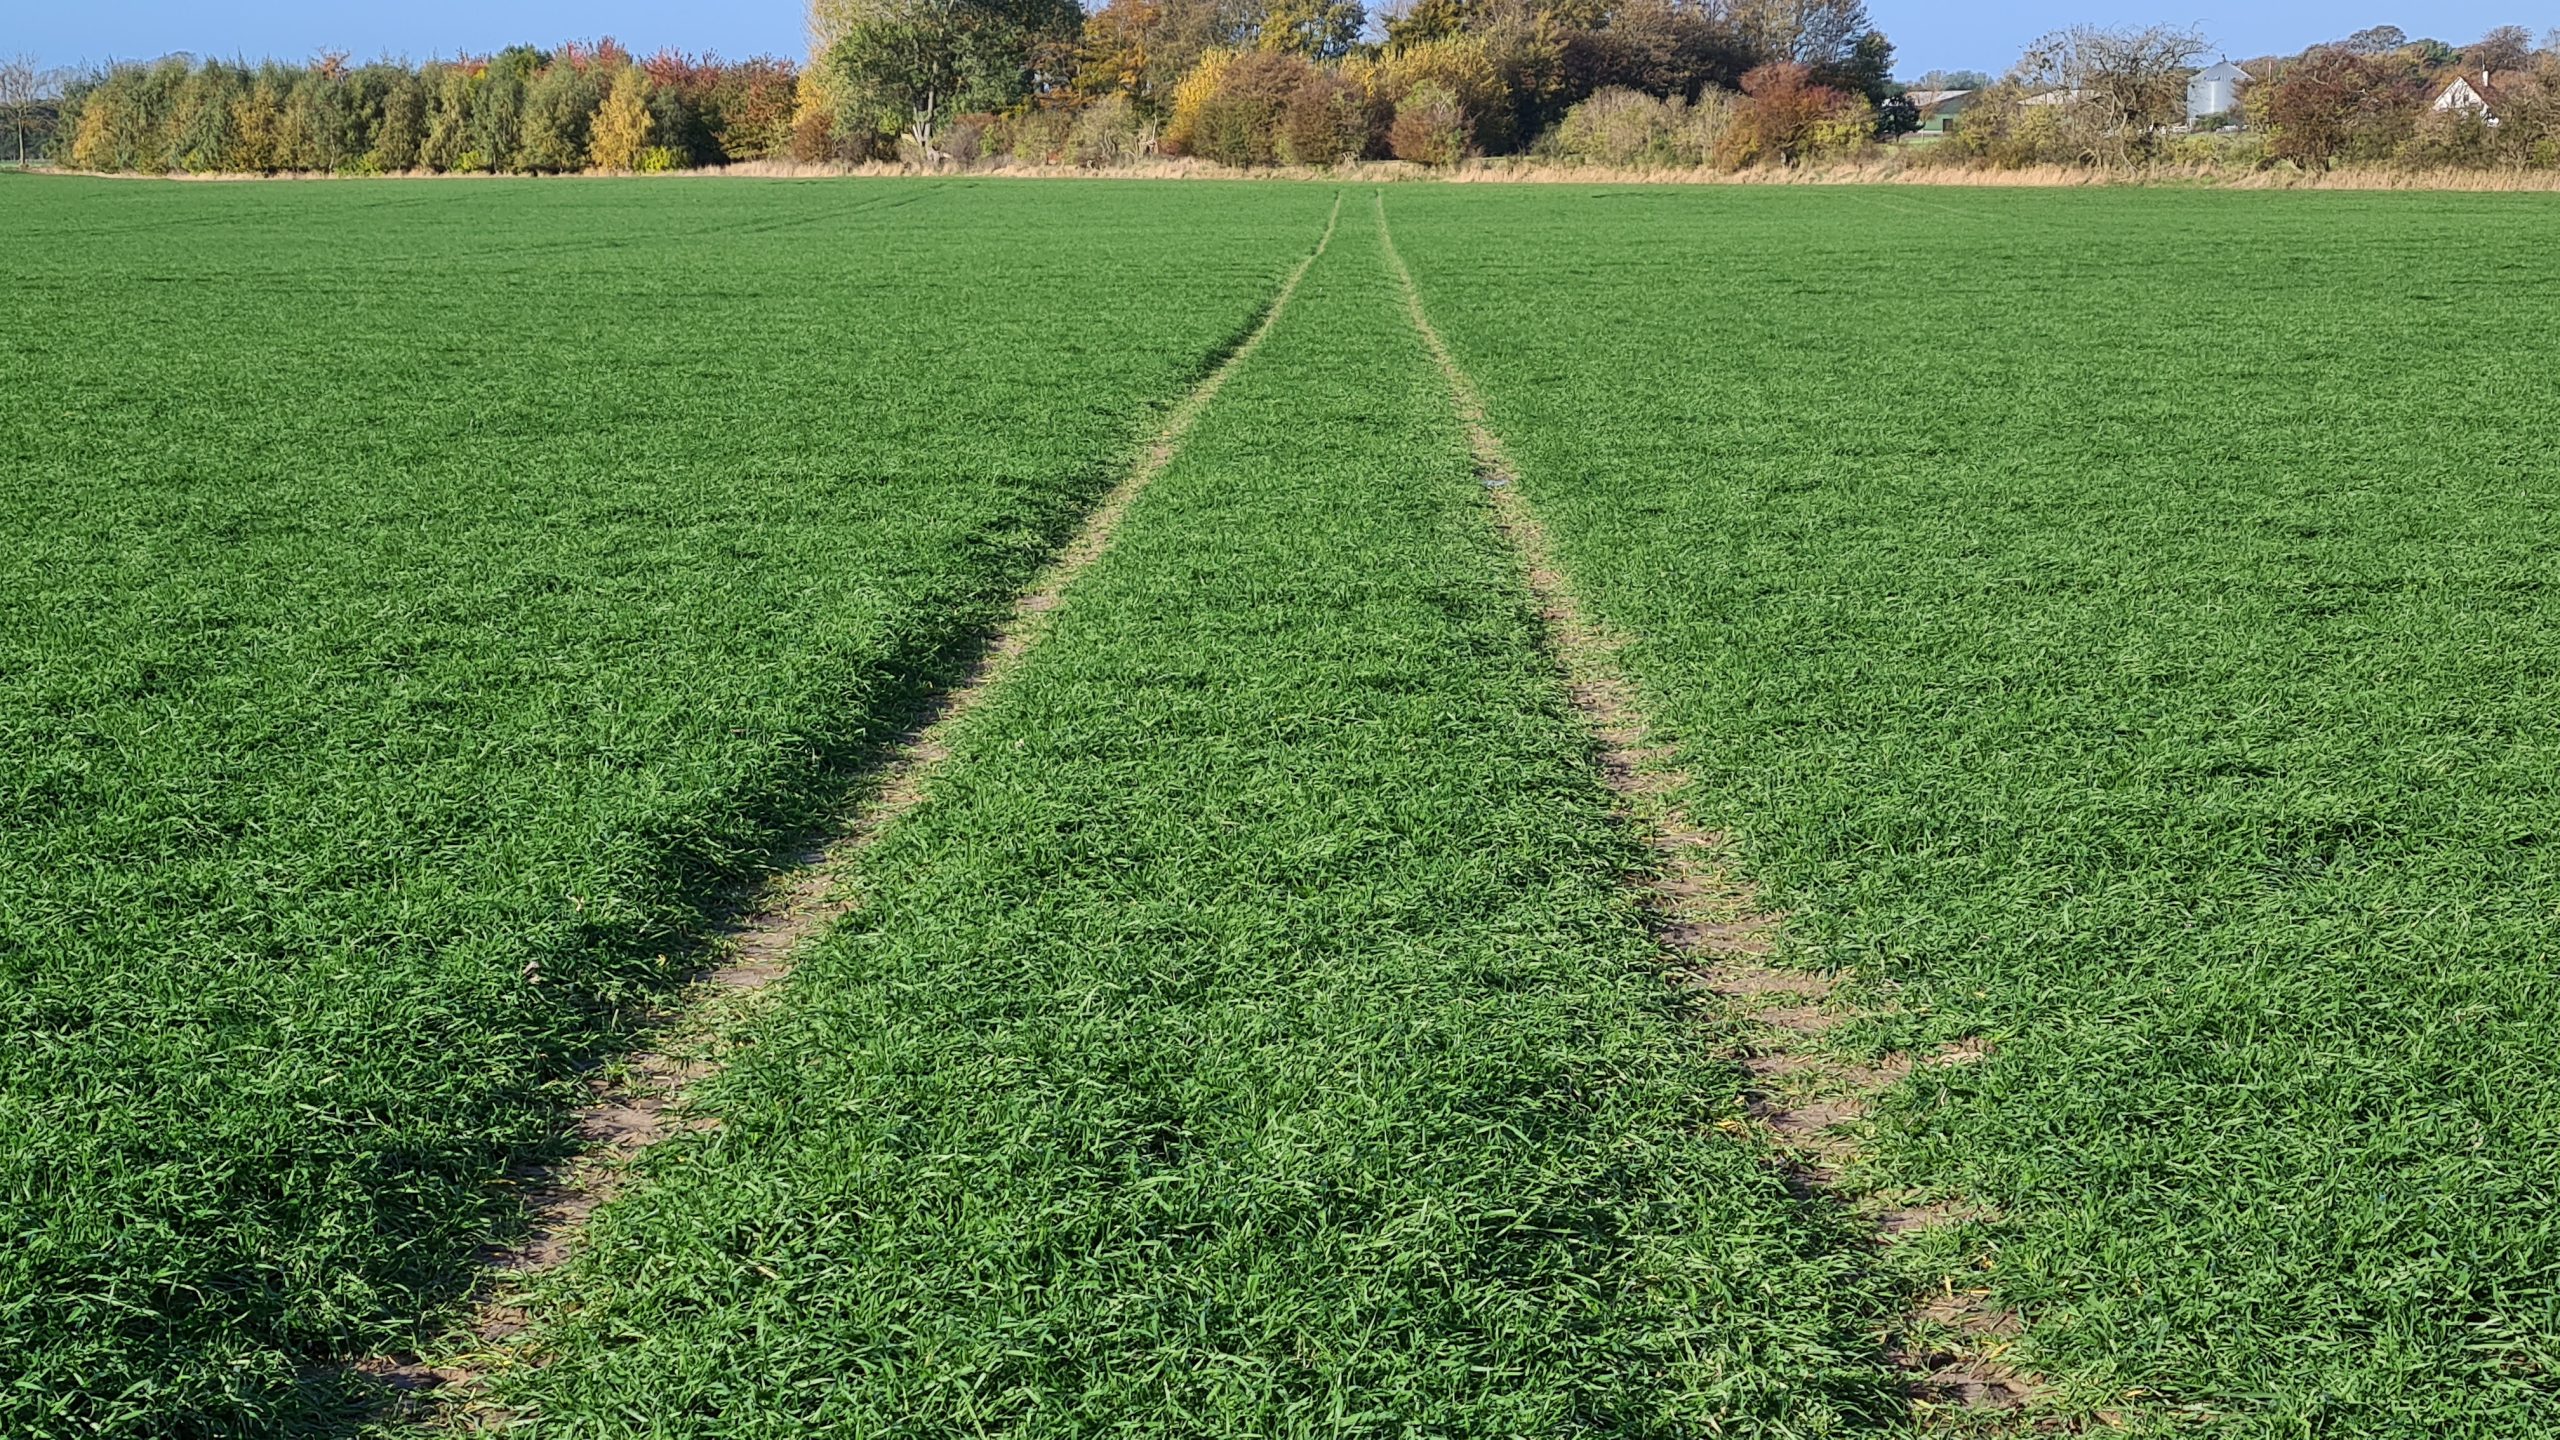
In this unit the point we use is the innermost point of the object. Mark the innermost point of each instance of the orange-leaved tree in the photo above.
(1786, 117)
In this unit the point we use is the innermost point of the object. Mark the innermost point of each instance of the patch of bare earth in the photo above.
(1805, 1101)
(639, 1101)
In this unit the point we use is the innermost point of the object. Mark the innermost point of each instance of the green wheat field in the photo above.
(2118, 630)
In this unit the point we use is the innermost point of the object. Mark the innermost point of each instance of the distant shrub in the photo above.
(1616, 126)
(1430, 128)
(1040, 137)
(1325, 122)
(1107, 132)
(1626, 129)
(2215, 151)
(1465, 67)
(658, 159)
(1785, 117)
(1239, 122)
(963, 140)
(2000, 131)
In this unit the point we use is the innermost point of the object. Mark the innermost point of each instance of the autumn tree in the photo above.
(1141, 49)
(1430, 126)
(622, 124)
(1787, 115)
(1325, 121)
(1238, 116)
(1317, 29)
(1122, 52)
(520, 110)
(2337, 104)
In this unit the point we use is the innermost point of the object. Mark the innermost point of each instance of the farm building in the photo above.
(1938, 109)
(2482, 92)
(2215, 90)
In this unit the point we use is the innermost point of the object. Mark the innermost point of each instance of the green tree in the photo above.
(448, 125)
(1866, 70)
(497, 106)
(202, 115)
(559, 116)
(911, 64)
(403, 131)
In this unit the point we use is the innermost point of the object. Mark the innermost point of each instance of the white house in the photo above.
(2215, 90)
(2476, 92)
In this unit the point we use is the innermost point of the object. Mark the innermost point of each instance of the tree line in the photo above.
(939, 82)
(520, 111)
(2118, 97)
(1316, 82)
(1626, 83)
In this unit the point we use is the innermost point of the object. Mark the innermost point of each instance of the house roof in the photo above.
(2482, 86)
(2223, 70)
(1929, 100)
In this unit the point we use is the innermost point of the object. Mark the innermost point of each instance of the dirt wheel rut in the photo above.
(639, 1101)
(1807, 1104)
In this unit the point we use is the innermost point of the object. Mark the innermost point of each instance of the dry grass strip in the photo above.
(1889, 167)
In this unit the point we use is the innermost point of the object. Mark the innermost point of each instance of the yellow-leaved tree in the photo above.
(621, 132)
(1191, 95)
(819, 104)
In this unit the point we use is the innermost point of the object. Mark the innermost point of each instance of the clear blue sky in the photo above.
(1951, 34)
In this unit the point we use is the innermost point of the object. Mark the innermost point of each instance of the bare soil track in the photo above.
(639, 1102)
(1718, 938)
